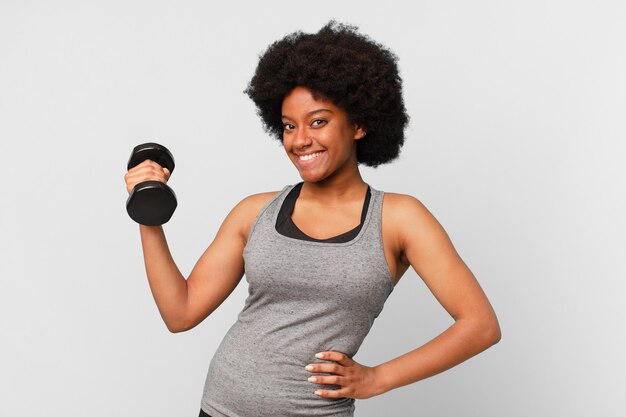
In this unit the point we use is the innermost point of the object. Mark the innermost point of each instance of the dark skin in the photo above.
(320, 141)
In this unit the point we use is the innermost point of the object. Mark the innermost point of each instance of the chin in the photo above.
(310, 177)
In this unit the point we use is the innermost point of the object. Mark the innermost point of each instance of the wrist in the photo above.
(380, 382)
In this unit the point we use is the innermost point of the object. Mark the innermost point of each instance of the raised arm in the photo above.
(183, 304)
(427, 248)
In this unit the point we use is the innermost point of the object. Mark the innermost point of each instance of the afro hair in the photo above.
(351, 70)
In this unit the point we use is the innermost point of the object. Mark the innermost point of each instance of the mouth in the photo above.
(309, 159)
(309, 156)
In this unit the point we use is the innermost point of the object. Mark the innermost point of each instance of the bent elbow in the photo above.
(174, 329)
(492, 333)
(177, 327)
(486, 332)
(181, 326)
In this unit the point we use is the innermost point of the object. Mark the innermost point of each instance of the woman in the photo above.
(322, 256)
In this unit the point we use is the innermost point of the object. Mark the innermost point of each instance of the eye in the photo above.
(318, 122)
(287, 127)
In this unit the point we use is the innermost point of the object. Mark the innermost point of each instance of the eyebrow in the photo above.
(312, 112)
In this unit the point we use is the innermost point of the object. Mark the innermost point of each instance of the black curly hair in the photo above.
(351, 70)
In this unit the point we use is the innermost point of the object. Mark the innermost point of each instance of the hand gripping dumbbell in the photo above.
(151, 203)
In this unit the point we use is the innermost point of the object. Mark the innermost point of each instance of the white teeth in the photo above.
(309, 156)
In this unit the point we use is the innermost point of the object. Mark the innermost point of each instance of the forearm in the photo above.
(458, 343)
(168, 286)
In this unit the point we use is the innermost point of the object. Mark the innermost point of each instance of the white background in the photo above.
(516, 144)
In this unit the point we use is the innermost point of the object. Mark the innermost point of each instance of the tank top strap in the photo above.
(374, 222)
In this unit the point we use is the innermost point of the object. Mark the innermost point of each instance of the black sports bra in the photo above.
(285, 226)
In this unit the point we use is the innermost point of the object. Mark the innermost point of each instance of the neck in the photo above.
(336, 190)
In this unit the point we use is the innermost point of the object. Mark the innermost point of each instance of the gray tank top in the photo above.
(304, 297)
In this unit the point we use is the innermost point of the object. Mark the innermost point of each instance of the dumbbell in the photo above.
(151, 203)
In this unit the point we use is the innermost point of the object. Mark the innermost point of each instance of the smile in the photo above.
(309, 156)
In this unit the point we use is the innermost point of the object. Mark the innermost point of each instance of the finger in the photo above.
(140, 165)
(327, 379)
(335, 356)
(148, 163)
(133, 180)
(149, 170)
(329, 368)
(332, 393)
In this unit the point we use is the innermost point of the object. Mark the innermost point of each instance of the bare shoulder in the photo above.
(403, 206)
(255, 202)
(423, 241)
(408, 213)
(247, 209)
(409, 222)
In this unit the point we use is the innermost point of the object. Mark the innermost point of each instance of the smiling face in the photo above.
(318, 137)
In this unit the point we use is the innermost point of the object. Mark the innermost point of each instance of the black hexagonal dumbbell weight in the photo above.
(151, 203)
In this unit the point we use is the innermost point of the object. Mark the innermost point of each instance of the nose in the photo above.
(302, 139)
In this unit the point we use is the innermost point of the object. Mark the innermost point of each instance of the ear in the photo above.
(359, 132)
